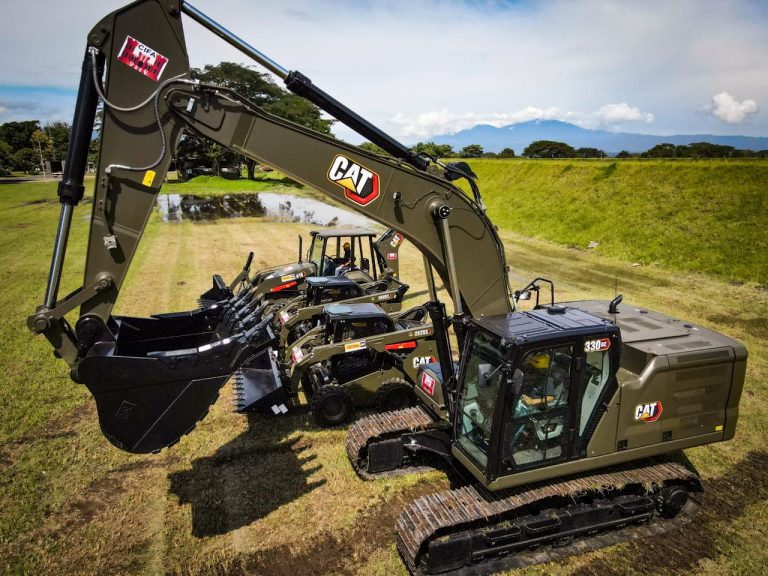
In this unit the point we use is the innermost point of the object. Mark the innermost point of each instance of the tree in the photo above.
(549, 149)
(434, 150)
(707, 150)
(258, 88)
(25, 160)
(661, 151)
(507, 153)
(623, 154)
(59, 133)
(471, 151)
(297, 109)
(19, 134)
(373, 148)
(590, 153)
(43, 145)
(6, 157)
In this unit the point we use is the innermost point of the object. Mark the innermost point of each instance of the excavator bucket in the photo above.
(258, 386)
(157, 379)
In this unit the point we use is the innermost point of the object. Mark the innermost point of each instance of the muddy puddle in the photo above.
(268, 205)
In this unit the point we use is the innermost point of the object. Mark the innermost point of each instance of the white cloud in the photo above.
(611, 114)
(432, 123)
(730, 110)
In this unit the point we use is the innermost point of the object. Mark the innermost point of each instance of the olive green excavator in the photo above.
(561, 418)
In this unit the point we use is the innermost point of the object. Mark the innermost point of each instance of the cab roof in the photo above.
(334, 232)
(545, 323)
(330, 281)
(345, 311)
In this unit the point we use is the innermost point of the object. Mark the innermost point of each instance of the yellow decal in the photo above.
(354, 346)
(719, 428)
(149, 177)
(287, 278)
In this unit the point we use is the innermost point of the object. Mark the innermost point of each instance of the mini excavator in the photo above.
(561, 419)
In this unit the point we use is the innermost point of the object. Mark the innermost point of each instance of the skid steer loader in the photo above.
(357, 355)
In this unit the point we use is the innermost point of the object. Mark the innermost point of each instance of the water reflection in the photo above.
(275, 207)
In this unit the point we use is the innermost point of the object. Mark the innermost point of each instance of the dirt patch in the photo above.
(98, 496)
(68, 421)
(59, 427)
(5, 460)
(678, 552)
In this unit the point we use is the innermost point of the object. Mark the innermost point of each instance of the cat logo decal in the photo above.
(648, 412)
(360, 184)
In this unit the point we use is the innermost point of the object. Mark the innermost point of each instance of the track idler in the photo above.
(153, 381)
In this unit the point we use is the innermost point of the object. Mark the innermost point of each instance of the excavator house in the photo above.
(564, 422)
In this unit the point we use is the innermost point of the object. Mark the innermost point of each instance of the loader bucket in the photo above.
(151, 388)
(218, 292)
(258, 386)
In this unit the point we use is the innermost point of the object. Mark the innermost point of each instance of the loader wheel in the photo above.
(331, 405)
(394, 394)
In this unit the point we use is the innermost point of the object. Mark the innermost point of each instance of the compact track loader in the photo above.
(561, 419)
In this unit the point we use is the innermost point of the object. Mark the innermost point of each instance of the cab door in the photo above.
(538, 421)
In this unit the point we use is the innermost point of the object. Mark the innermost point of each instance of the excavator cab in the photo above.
(532, 388)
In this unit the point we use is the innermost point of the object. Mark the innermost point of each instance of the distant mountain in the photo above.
(519, 136)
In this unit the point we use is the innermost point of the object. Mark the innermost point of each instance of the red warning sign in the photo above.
(142, 58)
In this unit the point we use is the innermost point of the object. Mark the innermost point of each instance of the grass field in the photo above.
(692, 215)
(277, 496)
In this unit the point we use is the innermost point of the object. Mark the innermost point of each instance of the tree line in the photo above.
(553, 149)
(26, 146)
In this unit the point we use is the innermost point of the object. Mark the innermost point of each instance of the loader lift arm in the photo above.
(149, 100)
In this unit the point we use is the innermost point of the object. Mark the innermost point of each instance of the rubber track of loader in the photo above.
(381, 425)
(452, 510)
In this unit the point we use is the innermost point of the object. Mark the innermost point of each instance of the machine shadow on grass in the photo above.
(247, 478)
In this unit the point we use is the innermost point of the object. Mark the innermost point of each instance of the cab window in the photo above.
(483, 376)
(598, 370)
(536, 427)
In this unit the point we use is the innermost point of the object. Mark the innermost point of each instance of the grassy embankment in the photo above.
(277, 496)
(699, 216)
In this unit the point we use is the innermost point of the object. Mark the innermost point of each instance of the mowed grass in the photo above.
(277, 496)
(693, 215)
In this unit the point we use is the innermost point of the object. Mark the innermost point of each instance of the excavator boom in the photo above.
(136, 62)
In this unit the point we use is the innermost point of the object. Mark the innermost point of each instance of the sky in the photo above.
(420, 68)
